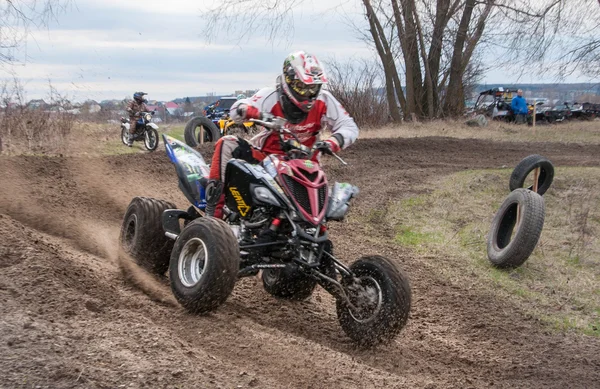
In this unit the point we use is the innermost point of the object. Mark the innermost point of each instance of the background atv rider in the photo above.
(298, 97)
(134, 108)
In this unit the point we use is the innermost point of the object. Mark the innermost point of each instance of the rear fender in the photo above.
(191, 170)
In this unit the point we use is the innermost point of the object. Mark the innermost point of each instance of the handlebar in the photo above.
(277, 124)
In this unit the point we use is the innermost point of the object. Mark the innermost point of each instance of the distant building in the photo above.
(37, 104)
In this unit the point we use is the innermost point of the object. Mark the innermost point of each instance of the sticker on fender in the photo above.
(241, 204)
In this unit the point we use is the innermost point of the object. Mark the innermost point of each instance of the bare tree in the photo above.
(19, 17)
(430, 44)
(356, 84)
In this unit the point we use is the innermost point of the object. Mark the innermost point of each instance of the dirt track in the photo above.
(68, 318)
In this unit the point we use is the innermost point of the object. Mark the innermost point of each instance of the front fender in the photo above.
(152, 125)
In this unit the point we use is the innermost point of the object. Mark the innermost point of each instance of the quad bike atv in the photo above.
(145, 130)
(275, 220)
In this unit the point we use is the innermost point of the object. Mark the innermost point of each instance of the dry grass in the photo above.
(104, 138)
(559, 284)
(568, 132)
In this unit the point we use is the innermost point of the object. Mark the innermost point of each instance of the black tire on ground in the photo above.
(391, 312)
(192, 131)
(526, 166)
(124, 136)
(290, 283)
(151, 139)
(142, 235)
(204, 265)
(508, 250)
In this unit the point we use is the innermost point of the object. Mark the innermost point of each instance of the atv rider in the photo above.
(298, 97)
(134, 108)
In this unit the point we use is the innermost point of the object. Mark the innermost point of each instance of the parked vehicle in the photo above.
(495, 104)
(585, 111)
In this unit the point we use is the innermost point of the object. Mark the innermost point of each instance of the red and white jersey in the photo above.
(327, 112)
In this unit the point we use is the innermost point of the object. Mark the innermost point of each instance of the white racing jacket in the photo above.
(327, 112)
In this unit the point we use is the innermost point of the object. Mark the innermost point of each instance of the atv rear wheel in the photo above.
(204, 265)
(381, 298)
(142, 235)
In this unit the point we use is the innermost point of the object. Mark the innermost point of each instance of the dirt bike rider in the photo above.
(298, 97)
(134, 108)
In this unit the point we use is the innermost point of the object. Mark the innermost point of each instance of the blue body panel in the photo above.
(190, 168)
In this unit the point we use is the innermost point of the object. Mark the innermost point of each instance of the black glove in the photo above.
(244, 151)
(324, 147)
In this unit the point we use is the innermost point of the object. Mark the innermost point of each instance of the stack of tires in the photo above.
(518, 224)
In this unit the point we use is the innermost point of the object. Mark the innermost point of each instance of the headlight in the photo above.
(264, 195)
(148, 117)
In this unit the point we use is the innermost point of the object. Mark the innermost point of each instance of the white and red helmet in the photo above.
(302, 79)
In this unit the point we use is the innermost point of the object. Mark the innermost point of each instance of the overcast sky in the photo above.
(108, 49)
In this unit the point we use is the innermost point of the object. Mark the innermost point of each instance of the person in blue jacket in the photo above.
(519, 107)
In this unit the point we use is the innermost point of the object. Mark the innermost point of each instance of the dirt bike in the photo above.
(145, 130)
(275, 221)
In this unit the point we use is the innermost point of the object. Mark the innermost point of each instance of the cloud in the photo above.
(112, 48)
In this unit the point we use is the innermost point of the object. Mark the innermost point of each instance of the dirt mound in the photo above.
(71, 319)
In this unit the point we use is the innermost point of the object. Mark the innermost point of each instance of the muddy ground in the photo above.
(69, 318)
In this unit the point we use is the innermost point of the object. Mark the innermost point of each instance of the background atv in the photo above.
(275, 220)
(495, 103)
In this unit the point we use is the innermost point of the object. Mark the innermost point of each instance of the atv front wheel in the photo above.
(142, 235)
(204, 265)
(381, 299)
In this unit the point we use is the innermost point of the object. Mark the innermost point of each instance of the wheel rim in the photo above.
(150, 139)
(192, 262)
(367, 299)
(130, 230)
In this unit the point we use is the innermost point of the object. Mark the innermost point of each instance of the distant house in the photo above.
(37, 104)
(171, 107)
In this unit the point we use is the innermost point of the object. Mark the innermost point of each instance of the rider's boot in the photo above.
(130, 140)
(215, 198)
